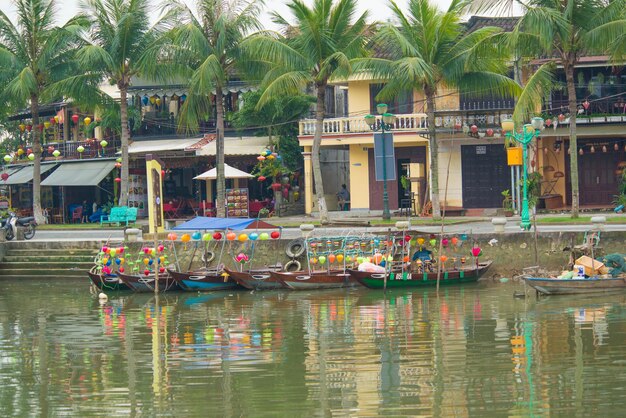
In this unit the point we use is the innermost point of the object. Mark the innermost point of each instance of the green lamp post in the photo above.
(529, 132)
(386, 124)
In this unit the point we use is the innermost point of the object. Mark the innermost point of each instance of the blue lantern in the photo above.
(183, 98)
(253, 236)
(196, 236)
(145, 100)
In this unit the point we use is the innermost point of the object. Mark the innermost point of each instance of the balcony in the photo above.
(415, 122)
(69, 150)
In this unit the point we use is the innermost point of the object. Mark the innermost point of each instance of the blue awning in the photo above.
(220, 224)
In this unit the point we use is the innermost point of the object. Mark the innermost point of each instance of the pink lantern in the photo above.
(474, 129)
(476, 251)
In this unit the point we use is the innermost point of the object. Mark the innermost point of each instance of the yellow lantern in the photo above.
(46, 124)
(158, 101)
(20, 151)
(87, 121)
(152, 100)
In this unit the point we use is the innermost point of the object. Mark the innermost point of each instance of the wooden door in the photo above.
(485, 174)
(597, 180)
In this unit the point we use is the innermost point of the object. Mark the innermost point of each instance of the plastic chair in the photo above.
(77, 214)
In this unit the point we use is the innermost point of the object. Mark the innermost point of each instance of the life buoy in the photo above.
(208, 256)
(295, 248)
(293, 265)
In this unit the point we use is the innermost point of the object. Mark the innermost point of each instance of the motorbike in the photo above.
(13, 222)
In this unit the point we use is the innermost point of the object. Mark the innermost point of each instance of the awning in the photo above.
(143, 147)
(88, 173)
(247, 145)
(205, 222)
(229, 173)
(25, 174)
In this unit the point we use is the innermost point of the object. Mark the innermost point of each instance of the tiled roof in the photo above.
(478, 22)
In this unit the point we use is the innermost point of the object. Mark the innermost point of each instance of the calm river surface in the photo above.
(474, 351)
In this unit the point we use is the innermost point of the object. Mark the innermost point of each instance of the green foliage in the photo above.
(272, 169)
(507, 202)
(111, 117)
(620, 198)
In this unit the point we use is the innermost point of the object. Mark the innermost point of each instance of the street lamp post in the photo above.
(529, 132)
(386, 124)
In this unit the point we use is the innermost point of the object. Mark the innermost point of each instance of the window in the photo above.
(401, 104)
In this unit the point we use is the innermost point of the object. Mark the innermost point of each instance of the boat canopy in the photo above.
(236, 224)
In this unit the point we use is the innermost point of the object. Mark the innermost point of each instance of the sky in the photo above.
(378, 9)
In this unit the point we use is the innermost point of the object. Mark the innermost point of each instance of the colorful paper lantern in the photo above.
(160, 248)
(243, 237)
(103, 143)
(206, 237)
(217, 236)
(172, 236)
(196, 236)
(56, 152)
(75, 118)
(476, 251)
(262, 178)
(275, 235)
(118, 180)
(7, 158)
(454, 241)
(433, 242)
(264, 236)
(31, 156)
(443, 258)
(185, 238)
(254, 236)
(46, 124)
(80, 149)
(322, 259)
(29, 127)
(331, 258)
(22, 127)
(420, 241)
(444, 242)
(261, 158)
(87, 121)
(231, 236)
(4, 176)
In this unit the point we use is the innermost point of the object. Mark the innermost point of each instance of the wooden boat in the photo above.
(106, 281)
(302, 280)
(553, 286)
(260, 279)
(144, 284)
(397, 280)
(203, 280)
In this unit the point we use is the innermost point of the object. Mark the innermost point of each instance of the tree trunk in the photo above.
(315, 152)
(34, 110)
(125, 136)
(573, 143)
(434, 152)
(219, 157)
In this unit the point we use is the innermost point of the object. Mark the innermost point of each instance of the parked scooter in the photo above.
(10, 225)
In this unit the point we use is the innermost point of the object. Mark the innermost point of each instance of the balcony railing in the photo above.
(455, 119)
(69, 150)
(354, 125)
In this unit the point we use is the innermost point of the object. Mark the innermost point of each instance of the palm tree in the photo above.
(33, 54)
(316, 48)
(207, 44)
(566, 31)
(430, 48)
(118, 43)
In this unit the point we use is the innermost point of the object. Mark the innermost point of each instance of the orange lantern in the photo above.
(443, 258)
(231, 236)
(172, 236)
(185, 238)
(331, 258)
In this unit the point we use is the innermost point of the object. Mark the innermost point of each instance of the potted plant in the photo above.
(406, 184)
(507, 203)
(264, 213)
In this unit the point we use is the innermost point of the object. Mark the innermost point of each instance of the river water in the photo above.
(472, 351)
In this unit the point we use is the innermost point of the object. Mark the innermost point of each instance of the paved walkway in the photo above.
(470, 225)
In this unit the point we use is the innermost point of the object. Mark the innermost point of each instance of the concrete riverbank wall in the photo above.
(510, 252)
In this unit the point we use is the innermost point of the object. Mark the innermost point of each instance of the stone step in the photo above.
(50, 272)
(61, 245)
(43, 252)
(86, 265)
(35, 258)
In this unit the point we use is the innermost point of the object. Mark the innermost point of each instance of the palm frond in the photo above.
(538, 86)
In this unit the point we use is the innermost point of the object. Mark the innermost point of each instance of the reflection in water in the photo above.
(472, 351)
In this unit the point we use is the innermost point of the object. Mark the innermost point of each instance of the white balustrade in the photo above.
(415, 122)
